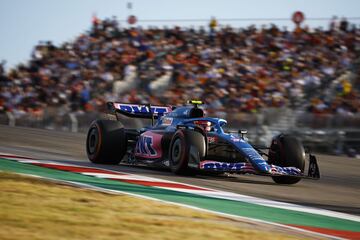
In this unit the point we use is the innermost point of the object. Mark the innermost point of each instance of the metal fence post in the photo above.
(74, 122)
(11, 118)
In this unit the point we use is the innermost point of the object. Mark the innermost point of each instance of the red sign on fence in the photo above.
(298, 17)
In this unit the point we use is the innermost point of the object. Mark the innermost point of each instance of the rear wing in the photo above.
(146, 111)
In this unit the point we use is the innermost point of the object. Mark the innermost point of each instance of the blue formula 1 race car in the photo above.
(185, 141)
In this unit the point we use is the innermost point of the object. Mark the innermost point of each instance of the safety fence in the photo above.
(320, 132)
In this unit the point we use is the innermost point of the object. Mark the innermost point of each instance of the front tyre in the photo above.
(186, 148)
(106, 142)
(287, 151)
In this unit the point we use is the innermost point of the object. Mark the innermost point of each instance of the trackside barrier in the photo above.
(11, 118)
(74, 122)
(329, 133)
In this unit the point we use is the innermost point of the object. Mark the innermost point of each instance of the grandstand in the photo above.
(243, 74)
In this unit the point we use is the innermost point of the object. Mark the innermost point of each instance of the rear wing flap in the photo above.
(146, 111)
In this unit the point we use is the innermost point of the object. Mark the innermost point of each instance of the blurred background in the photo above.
(265, 66)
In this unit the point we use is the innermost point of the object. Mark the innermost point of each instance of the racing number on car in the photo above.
(144, 146)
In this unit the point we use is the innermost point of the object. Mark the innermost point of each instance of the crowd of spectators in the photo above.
(232, 70)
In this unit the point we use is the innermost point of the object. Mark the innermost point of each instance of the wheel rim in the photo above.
(176, 151)
(93, 140)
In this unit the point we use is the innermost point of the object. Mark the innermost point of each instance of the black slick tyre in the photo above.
(186, 148)
(106, 142)
(287, 151)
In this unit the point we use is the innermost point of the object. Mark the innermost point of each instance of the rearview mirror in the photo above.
(242, 132)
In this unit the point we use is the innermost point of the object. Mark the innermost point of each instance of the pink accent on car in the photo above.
(149, 145)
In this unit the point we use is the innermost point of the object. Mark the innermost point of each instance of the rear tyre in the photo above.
(106, 142)
(287, 151)
(186, 148)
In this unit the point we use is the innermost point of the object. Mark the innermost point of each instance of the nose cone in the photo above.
(262, 166)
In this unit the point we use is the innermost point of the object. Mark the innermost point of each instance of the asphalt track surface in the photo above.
(338, 189)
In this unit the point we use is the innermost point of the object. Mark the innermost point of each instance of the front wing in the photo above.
(247, 168)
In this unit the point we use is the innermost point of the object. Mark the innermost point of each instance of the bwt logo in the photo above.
(144, 146)
(223, 166)
(134, 108)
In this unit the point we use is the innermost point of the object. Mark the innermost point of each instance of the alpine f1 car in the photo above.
(185, 141)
